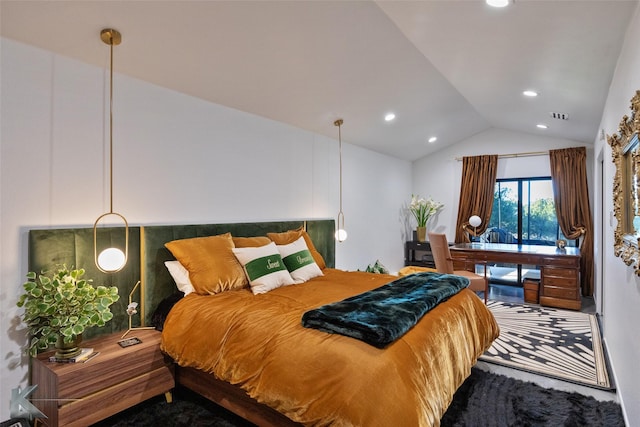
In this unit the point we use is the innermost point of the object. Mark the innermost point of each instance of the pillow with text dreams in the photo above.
(180, 275)
(210, 262)
(299, 261)
(291, 236)
(264, 268)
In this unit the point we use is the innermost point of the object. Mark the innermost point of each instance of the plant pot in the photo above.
(421, 232)
(66, 350)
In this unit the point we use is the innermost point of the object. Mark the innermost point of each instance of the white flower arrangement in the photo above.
(423, 209)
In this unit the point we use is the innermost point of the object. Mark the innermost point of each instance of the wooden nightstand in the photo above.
(80, 394)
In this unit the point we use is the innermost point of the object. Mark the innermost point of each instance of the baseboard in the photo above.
(614, 377)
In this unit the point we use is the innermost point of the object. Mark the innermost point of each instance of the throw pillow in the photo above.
(211, 264)
(180, 276)
(299, 261)
(291, 236)
(264, 268)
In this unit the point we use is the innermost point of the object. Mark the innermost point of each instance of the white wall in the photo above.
(177, 159)
(618, 289)
(439, 174)
(621, 288)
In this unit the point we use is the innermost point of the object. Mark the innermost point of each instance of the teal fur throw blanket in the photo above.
(380, 316)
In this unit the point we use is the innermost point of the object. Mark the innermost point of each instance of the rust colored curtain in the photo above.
(476, 193)
(571, 196)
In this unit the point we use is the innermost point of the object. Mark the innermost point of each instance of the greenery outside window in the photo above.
(524, 213)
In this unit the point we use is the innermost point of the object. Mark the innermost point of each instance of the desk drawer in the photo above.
(566, 273)
(560, 292)
(569, 261)
(560, 282)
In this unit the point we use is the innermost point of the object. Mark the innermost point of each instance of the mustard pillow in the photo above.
(211, 264)
(291, 236)
(250, 242)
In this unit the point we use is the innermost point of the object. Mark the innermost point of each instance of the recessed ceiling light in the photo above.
(531, 93)
(432, 139)
(542, 126)
(389, 117)
(498, 3)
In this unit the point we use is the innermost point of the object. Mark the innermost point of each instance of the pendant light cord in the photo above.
(340, 226)
(340, 154)
(111, 126)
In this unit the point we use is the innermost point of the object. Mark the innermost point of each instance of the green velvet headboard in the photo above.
(157, 283)
(74, 247)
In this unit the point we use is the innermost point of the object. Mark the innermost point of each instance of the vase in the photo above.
(421, 232)
(66, 350)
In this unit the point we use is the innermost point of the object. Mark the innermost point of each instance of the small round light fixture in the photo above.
(389, 117)
(111, 260)
(530, 93)
(542, 126)
(498, 3)
(341, 235)
(475, 222)
(432, 139)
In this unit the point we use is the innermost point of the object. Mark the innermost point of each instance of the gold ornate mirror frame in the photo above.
(625, 146)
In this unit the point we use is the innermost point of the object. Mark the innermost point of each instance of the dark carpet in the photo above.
(485, 399)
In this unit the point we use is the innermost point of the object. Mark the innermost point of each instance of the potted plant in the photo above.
(60, 306)
(422, 210)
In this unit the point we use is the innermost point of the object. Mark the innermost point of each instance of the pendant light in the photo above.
(111, 259)
(341, 233)
(498, 3)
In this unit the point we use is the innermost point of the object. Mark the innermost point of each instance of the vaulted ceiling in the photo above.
(447, 68)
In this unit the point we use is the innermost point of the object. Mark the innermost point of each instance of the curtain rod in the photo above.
(527, 154)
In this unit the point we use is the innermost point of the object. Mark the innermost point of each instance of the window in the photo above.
(524, 212)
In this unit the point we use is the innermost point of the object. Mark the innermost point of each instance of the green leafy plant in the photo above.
(63, 304)
(377, 267)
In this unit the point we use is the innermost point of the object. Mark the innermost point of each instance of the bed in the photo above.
(251, 354)
(258, 360)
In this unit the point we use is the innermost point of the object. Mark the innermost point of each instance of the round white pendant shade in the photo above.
(341, 235)
(498, 3)
(111, 259)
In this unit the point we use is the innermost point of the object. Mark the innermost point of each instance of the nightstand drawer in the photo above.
(79, 394)
(120, 363)
(112, 400)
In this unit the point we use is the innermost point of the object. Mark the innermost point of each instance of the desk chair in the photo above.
(444, 264)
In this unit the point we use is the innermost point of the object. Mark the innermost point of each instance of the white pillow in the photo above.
(264, 268)
(180, 276)
(299, 261)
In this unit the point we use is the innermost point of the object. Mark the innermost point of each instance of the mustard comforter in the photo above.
(316, 378)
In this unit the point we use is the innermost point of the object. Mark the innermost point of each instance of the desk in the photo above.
(559, 269)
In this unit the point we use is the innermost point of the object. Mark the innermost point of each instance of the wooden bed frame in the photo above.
(231, 397)
(147, 254)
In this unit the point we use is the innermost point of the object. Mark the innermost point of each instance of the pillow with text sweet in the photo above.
(264, 268)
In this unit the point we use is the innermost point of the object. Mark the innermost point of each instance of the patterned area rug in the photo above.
(556, 343)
